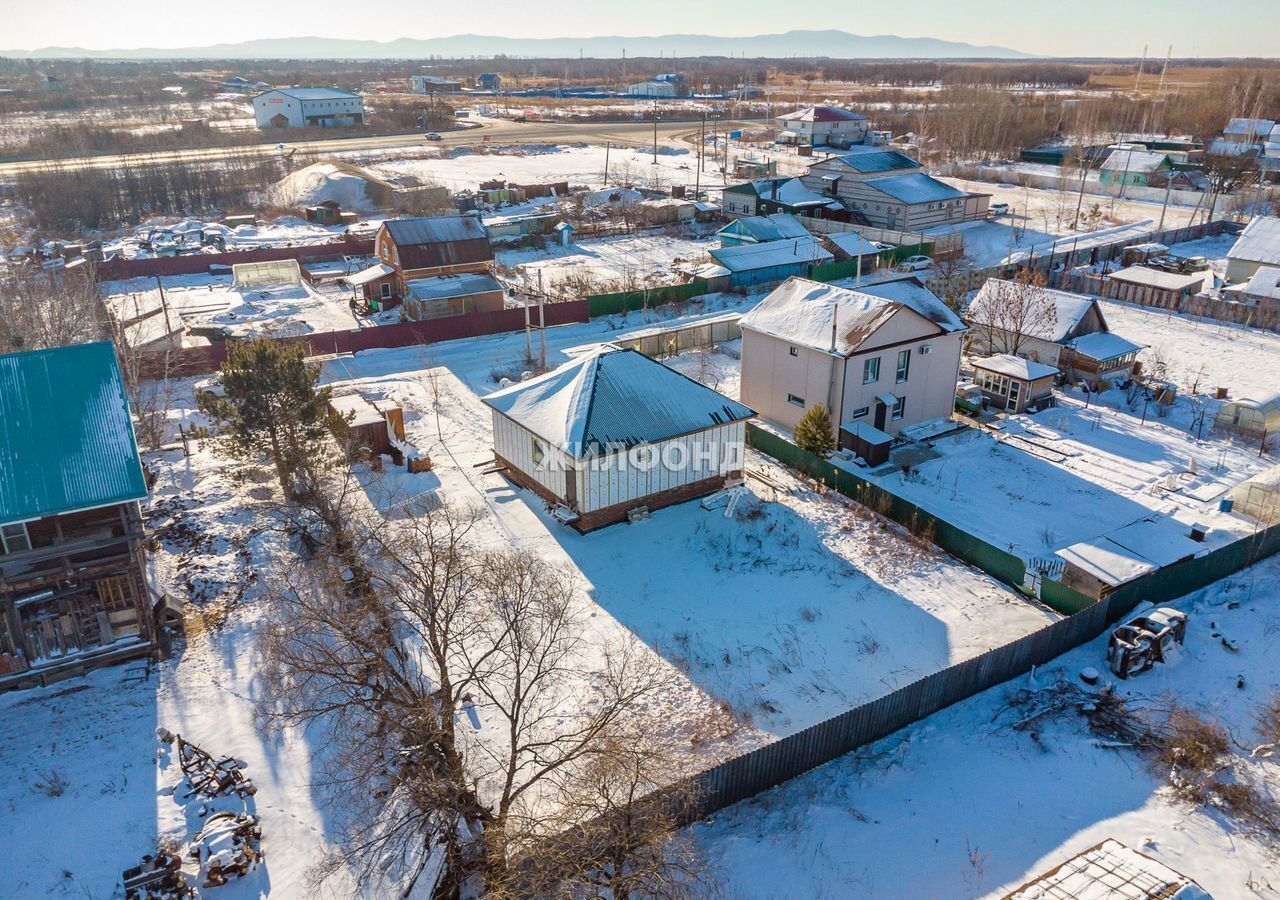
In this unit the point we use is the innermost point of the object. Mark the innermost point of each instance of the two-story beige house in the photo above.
(881, 358)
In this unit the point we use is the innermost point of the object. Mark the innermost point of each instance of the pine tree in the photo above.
(272, 406)
(813, 433)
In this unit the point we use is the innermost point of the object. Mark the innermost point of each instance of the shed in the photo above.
(1013, 383)
(1098, 566)
(613, 431)
(1141, 284)
(753, 264)
(1258, 245)
(374, 425)
(452, 295)
(866, 441)
(1252, 417)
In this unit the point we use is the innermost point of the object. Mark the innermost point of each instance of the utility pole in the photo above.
(607, 145)
(1168, 186)
(1142, 65)
(655, 132)
(702, 142)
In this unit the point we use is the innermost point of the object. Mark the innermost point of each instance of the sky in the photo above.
(1044, 27)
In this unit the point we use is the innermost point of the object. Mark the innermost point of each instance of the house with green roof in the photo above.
(73, 586)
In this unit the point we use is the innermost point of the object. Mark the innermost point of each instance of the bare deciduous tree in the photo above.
(1011, 312)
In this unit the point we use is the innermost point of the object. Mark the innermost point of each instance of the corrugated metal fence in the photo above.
(751, 773)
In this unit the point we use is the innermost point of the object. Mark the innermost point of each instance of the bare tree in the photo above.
(1010, 312)
(41, 309)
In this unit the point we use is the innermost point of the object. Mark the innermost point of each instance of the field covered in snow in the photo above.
(791, 609)
(653, 258)
(966, 805)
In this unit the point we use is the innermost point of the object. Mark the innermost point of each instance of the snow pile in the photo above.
(346, 185)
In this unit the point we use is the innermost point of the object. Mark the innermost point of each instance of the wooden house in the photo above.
(73, 586)
(613, 433)
(409, 249)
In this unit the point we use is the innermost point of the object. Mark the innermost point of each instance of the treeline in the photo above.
(63, 200)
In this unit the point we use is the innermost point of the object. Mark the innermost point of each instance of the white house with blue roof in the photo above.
(614, 431)
(889, 189)
(308, 107)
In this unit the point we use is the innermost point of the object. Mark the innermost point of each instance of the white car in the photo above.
(916, 263)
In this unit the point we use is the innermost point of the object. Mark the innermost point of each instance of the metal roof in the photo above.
(822, 114)
(446, 287)
(613, 400)
(1259, 242)
(776, 227)
(318, 93)
(66, 439)
(868, 160)
(915, 188)
(791, 251)
(435, 230)
(1015, 367)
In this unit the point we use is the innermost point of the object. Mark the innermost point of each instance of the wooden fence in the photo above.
(1218, 310)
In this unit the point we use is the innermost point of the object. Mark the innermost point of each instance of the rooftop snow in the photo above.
(1134, 161)
(611, 400)
(1169, 281)
(854, 244)
(317, 93)
(1254, 128)
(1069, 310)
(750, 257)
(1124, 554)
(1015, 367)
(66, 439)
(916, 188)
(822, 114)
(444, 287)
(373, 273)
(1103, 345)
(912, 293)
(829, 318)
(435, 230)
(1259, 242)
(768, 228)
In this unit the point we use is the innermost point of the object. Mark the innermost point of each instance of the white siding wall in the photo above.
(515, 444)
(704, 454)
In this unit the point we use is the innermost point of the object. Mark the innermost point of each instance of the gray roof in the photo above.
(318, 93)
(445, 287)
(915, 188)
(435, 230)
(776, 227)
(1130, 160)
(868, 160)
(750, 257)
(613, 400)
(1259, 242)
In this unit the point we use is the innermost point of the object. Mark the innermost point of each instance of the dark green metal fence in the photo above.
(630, 301)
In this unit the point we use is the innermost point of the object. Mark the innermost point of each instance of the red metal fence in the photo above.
(204, 360)
(195, 263)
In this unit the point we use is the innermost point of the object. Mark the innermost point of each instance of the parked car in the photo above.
(1163, 263)
(1193, 264)
(916, 263)
(432, 136)
(998, 209)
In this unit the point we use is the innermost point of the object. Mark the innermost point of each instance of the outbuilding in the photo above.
(308, 107)
(614, 433)
(1250, 417)
(1257, 246)
(755, 264)
(1012, 383)
(452, 295)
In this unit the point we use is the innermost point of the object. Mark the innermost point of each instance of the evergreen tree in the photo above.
(813, 433)
(272, 406)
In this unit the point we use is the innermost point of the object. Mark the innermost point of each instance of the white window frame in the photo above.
(904, 366)
(871, 370)
(899, 409)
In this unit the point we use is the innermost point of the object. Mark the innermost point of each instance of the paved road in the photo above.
(636, 134)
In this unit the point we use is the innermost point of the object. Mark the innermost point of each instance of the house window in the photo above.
(795, 401)
(386, 290)
(904, 365)
(538, 453)
(860, 412)
(871, 370)
(793, 351)
(899, 408)
(14, 538)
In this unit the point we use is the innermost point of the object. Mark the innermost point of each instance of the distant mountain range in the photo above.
(831, 44)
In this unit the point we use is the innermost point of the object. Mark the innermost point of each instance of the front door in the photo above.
(881, 412)
(1015, 392)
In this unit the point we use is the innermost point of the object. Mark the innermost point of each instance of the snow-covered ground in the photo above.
(787, 611)
(185, 234)
(644, 259)
(578, 165)
(962, 806)
(1202, 353)
(213, 301)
